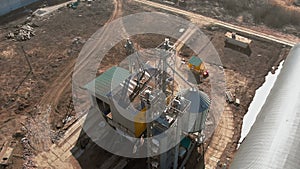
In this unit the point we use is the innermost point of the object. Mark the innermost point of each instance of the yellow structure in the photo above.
(196, 64)
(140, 127)
(237, 40)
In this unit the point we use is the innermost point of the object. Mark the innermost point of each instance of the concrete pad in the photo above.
(66, 147)
(51, 157)
(57, 151)
(65, 156)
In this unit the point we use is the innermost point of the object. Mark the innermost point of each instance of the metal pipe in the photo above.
(274, 140)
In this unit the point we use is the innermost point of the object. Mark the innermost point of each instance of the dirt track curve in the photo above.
(64, 78)
(51, 99)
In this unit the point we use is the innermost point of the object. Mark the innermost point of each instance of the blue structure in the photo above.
(10, 5)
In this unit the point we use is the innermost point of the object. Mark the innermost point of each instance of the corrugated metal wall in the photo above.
(9, 5)
(274, 140)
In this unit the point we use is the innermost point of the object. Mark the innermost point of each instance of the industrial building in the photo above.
(148, 103)
(159, 108)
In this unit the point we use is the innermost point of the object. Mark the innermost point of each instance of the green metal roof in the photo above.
(195, 61)
(185, 142)
(107, 81)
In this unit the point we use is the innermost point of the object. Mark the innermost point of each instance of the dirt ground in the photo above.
(244, 74)
(249, 13)
(51, 54)
(43, 97)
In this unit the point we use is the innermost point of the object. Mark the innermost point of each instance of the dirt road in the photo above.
(51, 99)
(275, 37)
(65, 77)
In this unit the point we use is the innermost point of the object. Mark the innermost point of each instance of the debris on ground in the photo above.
(237, 102)
(67, 119)
(27, 154)
(57, 135)
(89, 2)
(23, 33)
(40, 12)
(73, 5)
(78, 40)
(5, 155)
(229, 97)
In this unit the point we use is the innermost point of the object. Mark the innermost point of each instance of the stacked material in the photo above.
(23, 33)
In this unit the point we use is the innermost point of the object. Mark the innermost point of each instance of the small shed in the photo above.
(195, 63)
(237, 40)
(5, 155)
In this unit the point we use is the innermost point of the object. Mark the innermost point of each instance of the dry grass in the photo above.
(276, 15)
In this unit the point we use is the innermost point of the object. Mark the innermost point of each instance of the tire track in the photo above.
(64, 79)
(56, 90)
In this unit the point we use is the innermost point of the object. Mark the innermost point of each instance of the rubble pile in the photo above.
(27, 154)
(23, 33)
(56, 136)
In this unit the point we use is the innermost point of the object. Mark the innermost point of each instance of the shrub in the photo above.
(275, 16)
